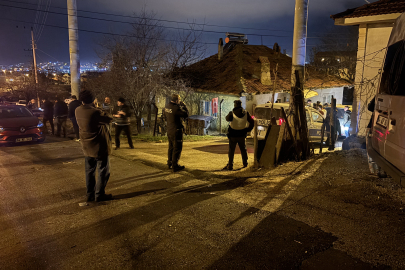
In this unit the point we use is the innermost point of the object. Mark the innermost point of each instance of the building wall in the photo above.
(194, 104)
(324, 95)
(373, 39)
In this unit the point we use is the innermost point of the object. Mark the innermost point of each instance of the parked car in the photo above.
(18, 124)
(262, 114)
(38, 113)
(386, 138)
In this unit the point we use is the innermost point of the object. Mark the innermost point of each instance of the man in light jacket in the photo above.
(241, 124)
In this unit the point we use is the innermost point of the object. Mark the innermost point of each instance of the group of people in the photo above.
(345, 118)
(57, 111)
(94, 130)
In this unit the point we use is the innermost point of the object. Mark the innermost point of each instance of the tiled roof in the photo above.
(240, 71)
(377, 8)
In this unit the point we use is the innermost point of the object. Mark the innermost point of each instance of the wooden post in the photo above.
(322, 134)
(289, 130)
(332, 124)
(255, 141)
(156, 117)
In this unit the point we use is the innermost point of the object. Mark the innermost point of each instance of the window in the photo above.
(393, 77)
(14, 112)
(308, 116)
(316, 117)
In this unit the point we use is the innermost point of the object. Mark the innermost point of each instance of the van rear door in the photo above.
(395, 134)
(389, 120)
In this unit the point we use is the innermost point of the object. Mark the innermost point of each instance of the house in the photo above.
(245, 72)
(375, 22)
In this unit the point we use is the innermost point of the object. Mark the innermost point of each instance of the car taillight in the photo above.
(280, 121)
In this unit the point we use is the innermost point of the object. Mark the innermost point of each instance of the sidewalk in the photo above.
(332, 192)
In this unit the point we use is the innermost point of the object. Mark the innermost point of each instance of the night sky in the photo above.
(276, 16)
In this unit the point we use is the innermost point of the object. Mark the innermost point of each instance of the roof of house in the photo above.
(377, 8)
(240, 71)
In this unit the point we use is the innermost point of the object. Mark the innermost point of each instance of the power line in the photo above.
(112, 34)
(162, 26)
(47, 54)
(44, 20)
(170, 21)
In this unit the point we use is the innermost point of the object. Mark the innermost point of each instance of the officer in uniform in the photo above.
(174, 111)
(241, 124)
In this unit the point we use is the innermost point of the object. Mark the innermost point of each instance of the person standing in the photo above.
(96, 144)
(47, 107)
(32, 104)
(347, 121)
(71, 114)
(122, 123)
(240, 124)
(174, 112)
(107, 106)
(61, 113)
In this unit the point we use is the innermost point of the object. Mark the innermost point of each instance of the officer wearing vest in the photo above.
(174, 112)
(240, 124)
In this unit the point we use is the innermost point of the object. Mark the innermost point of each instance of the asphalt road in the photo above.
(158, 219)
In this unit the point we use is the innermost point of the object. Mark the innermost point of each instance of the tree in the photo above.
(336, 53)
(141, 63)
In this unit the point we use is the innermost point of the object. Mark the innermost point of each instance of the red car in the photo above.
(18, 124)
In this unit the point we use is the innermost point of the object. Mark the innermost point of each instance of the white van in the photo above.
(386, 140)
(262, 114)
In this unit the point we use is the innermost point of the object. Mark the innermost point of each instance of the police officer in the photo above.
(174, 111)
(241, 124)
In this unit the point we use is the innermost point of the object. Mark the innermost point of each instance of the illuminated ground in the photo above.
(325, 213)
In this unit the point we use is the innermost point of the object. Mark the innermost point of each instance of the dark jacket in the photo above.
(108, 108)
(93, 131)
(123, 120)
(32, 106)
(174, 112)
(61, 109)
(72, 107)
(48, 109)
(239, 112)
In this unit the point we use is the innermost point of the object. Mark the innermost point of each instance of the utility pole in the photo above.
(73, 48)
(298, 74)
(300, 40)
(35, 66)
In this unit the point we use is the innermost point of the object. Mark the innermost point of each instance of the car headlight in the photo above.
(1, 129)
(40, 124)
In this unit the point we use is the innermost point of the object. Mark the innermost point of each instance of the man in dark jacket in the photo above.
(241, 124)
(61, 114)
(174, 112)
(122, 123)
(71, 114)
(96, 143)
(47, 107)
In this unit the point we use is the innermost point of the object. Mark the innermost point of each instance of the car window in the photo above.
(264, 113)
(393, 76)
(14, 112)
(316, 117)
